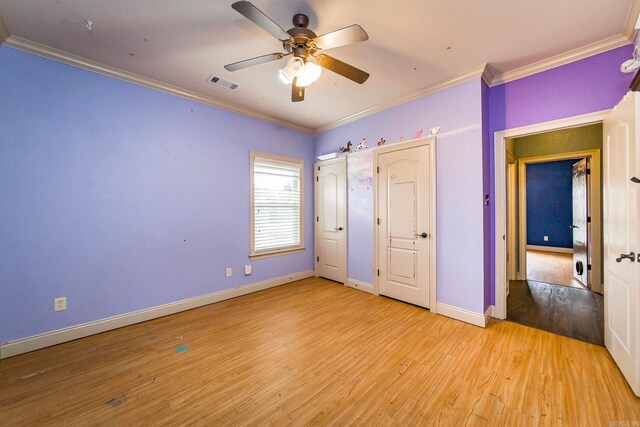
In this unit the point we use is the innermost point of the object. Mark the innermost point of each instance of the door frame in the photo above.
(500, 196)
(429, 141)
(340, 160)
(595, 207)
(512, 189)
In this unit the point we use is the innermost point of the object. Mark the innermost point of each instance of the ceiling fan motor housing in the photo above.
(300, 37)
(300, 20)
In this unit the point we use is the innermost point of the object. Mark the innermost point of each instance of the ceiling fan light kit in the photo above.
(305, 73)
(305, 66)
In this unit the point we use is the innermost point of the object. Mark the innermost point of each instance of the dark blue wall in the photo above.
(549, 204)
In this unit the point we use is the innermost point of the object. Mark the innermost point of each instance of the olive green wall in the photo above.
(560, 141)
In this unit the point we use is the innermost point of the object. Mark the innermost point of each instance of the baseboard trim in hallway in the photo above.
(36, 342)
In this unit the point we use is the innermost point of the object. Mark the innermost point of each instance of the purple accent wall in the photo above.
(459, 150)
(123, 198)
(589, 85)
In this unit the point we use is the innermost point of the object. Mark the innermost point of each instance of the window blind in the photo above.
(276, 204)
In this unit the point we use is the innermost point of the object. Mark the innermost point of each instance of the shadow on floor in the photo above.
(571, 312)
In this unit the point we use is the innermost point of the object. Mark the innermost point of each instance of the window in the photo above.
(276, 204)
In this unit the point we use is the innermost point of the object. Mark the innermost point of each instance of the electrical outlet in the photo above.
(229, 272)
(546, 238)
(247, 270)
(60, 304)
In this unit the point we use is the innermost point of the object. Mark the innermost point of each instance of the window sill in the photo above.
(276, 253)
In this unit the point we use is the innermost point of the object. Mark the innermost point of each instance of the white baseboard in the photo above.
(550, 249)
(488, 314)
(36, 342)
(363, 286)
(478, 319)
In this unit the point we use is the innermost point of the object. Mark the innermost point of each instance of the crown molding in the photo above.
(562, 59)
(469, 75)
(4, 31)
(485, 72)
(117, 73)
(487, 75)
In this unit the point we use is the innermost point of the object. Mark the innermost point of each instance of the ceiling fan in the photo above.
(304, 47)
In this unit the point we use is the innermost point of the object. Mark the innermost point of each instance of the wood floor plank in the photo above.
(316, 353)
(552, 267)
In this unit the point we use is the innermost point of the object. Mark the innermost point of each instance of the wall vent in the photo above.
(222, 82)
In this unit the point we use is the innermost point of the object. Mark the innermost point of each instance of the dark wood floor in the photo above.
(572, 312)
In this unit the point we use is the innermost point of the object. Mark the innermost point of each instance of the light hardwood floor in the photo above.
(315, 352)
(552, 267)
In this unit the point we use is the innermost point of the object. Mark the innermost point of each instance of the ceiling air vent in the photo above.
(222, 82)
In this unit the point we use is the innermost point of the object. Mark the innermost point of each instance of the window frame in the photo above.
(264, 253)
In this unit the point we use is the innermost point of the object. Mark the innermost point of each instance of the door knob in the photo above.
(423, 235)
(631, 256)
(338, 228)
(636, 180)
(573, 226)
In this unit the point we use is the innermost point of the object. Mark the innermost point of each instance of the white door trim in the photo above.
(500, 196)
(595, 207)
(431, 142)
(512, 179)
(342, 160)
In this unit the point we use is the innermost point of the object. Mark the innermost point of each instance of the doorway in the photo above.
(405, 222)
(552, 234)
(560, 212)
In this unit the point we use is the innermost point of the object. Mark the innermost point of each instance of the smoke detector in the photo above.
(631, 65)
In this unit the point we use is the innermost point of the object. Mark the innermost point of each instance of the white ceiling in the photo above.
(413, 44)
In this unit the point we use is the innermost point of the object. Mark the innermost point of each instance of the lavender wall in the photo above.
(585, 86)
(360, 215)
(122, 198)
(459, 150)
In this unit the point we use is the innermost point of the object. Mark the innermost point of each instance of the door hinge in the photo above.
(317, 179)
(378, 221)
(317, 219)
(318, 167)
(588, 171)
(317, 259)
(588, 219)
(589, 267)
(378, 272)
(377, 169)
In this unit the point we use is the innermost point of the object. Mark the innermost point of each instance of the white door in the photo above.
(580, 195)
(621, 238)
(404, 210)
(331, 219)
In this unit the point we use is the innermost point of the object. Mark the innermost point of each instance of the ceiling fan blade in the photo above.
(347, 35)
(255, 15)
(297, 92)
(253, 61)
(342, 68)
